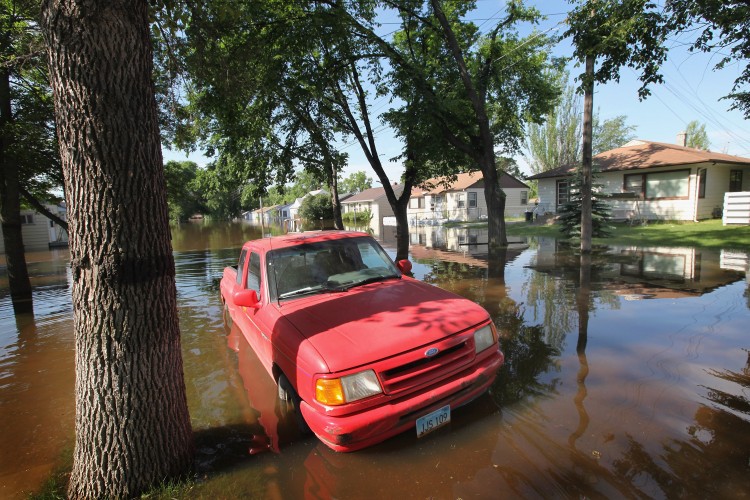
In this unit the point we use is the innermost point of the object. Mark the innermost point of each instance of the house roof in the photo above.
(641, 154)
(298, 202)
(372, 194)
(466, 180)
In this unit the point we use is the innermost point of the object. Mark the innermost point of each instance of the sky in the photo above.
(692, 90)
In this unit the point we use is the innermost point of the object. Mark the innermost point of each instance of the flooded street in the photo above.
(628, 375)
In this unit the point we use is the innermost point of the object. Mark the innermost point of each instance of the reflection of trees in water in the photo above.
(549, 299)
(527, 357)
(713, 461)
(737, 403)
(552, 293)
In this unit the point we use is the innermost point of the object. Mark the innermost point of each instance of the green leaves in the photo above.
(619, 33)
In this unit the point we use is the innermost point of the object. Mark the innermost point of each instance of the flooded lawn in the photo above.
(628, 376)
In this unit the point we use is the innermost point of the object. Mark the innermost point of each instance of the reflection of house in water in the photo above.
(466, 245)
(655, 272)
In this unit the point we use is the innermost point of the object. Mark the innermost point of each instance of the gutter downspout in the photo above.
(697, 193)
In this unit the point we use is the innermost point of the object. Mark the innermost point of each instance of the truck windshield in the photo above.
(326, 266)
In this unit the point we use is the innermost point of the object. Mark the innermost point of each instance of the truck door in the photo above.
(255, 330)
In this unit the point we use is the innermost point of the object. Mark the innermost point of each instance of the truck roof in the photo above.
(294, 239)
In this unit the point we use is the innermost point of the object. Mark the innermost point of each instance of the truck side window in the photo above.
(253, 273)
(241, 266)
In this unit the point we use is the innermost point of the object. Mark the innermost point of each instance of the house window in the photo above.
(674, 184)
(461, 202)
(735, 181)
(660, 185)
(524, 197)
(416, 202)
(633, 183)
(27, 219)
(472, 200)
(563, 192)
(701, 183)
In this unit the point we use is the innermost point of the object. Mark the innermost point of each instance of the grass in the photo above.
(704, 234)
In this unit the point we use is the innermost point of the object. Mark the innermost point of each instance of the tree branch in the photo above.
(31, 200)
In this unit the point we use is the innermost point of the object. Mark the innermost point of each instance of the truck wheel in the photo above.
(226, 316)
(289, 404)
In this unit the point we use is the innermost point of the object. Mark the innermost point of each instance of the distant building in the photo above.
(40, 232)
(374, 200)
(463, 199)
(652, 180)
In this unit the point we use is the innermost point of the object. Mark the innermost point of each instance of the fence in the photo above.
(736, 208)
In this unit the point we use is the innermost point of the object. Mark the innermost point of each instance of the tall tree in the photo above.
(356, 182)
(697, 136)
(611, 133)
(625, 32)
(182, 197)
(557, 141)
(477, 91)
(132, 423)
(29, 162)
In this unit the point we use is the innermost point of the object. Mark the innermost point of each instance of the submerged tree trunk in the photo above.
(495, 198)
(10, 206)
(132, 423)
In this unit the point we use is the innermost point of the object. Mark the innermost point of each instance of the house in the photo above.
(463, 199)
(294, 207)
(39, 232)
(376, 202)
(654, 180)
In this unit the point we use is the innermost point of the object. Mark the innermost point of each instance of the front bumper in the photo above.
(359, 430)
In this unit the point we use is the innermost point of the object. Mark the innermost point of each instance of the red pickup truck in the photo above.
(358, 348)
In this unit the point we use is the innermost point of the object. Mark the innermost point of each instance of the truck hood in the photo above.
(380, 320)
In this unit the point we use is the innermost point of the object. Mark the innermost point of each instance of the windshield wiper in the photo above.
(311, 289)
(373, 279)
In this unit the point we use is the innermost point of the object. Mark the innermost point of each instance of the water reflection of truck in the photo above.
(359, 349)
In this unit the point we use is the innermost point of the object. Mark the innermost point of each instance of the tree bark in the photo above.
(10, 205)
(588, 133)
(495, 198)
(132, 423)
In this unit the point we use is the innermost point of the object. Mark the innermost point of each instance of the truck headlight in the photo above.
(338, 391)
(484, 338)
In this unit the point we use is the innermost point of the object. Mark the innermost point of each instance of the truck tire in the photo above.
(289, 404)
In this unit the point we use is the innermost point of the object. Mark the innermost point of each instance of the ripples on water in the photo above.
(636, 385)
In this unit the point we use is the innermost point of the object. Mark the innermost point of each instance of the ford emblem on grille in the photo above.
(431, 352)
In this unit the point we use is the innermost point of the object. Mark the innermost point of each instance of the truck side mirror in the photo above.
(404, 266)
(246, 298)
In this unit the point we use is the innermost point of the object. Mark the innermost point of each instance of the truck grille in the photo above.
(423, 371)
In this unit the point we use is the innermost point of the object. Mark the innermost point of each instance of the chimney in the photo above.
(682, 139)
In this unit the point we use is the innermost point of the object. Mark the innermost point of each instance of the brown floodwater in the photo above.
(626, 376)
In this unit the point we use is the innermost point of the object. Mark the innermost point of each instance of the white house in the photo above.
(653, 180)
(463, 199)
(38, 231)
(376, 202)
(294, 207)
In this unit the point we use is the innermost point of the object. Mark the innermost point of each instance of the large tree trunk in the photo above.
(10, 206)
(588, 115)
(495, 198)
(402, 230)
(132, 423)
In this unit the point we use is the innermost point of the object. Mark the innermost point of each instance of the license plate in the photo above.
(432, 421)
